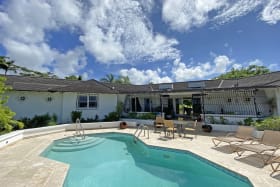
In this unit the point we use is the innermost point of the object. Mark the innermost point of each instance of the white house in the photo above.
(235, 99)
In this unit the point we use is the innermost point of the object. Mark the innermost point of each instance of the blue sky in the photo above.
(146, 40)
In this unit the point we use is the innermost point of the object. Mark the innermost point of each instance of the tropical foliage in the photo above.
(8, 65)
(270, 123)
(39, 121)
(7, 123)
(251, 70)
(110, 78)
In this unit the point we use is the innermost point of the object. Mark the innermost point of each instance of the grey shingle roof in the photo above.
(22, 83)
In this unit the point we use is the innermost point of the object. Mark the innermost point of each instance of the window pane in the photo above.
(82, 101)
(92, 101)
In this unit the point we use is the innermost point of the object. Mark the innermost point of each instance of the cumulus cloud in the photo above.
(118, 32)
(182, 72)
(271, 12)
(32, 56)
(70, 62)
(144, 76)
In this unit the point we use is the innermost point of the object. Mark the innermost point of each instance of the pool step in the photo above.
(74, 146)
(77, 142)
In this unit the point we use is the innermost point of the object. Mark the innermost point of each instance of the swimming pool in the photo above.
(114, 159)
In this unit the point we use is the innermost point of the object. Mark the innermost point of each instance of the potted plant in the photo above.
(207, 128)
(123, 125)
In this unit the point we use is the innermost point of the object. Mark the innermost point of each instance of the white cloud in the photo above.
(144, 76)
(257, 62)
(183, 72)
(70, 63)
(237, 66)
(66, 12)
(119, 32)
(271, 12)
(236, 9)
(32, 56)
(183, 14)
(26, 20)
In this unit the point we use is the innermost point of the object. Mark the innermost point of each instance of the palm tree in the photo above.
(7, 65)
(109, 78)
(123, 80)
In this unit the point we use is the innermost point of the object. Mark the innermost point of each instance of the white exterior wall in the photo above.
(35, 103)
(106, 103)
(62, 105)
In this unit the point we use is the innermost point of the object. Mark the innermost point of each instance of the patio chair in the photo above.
(275, 164)
(158, 123)
(268, 145)
(192, 129)
(243, 133)
(169, 126)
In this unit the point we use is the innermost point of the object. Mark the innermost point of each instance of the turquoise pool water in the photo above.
(114, 160)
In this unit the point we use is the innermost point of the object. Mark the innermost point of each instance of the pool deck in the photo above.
(22, 165)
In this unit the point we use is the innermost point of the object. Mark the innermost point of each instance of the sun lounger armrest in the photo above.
(230, 134)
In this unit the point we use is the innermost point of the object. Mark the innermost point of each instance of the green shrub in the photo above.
(248, 121)
(270, 123)
(76, 115)
(132, 115)
(149, 115)
(112, 116)
(223, 120)
(39, 121)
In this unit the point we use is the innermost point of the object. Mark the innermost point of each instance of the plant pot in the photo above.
(207, 128)
(123, 125)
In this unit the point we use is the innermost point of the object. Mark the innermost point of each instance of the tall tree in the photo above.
(110, 78)
(7, 123)
(6, 64)
(123, 80)
(249, 71)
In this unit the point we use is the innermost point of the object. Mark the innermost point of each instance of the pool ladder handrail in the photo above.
(79, 130)
(140, 129)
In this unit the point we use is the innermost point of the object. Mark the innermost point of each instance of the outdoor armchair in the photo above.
(192, 129)
(169, 126)
(158, 123)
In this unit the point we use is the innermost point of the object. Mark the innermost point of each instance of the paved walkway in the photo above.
(22, 165)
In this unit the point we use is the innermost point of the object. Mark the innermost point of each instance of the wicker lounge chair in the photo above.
(243, 133)
(275, 164)
(269, 144)
(158, 123)
(169, 126)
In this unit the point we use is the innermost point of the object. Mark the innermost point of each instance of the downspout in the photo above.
(255, 104)
(203, 106)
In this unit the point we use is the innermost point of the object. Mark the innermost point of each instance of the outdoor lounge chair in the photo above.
(275, 164)
(191, 129)
(158, 123)
(243, 133)
(169, 126)
(268, 145)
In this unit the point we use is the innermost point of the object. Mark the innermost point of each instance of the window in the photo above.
(87, 101)
(92, 101)
(49, 99)
(22, 98)
(247, 99)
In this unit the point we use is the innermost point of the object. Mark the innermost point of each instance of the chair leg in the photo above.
(274, 168)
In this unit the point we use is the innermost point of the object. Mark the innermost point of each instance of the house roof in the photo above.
(22, 83)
